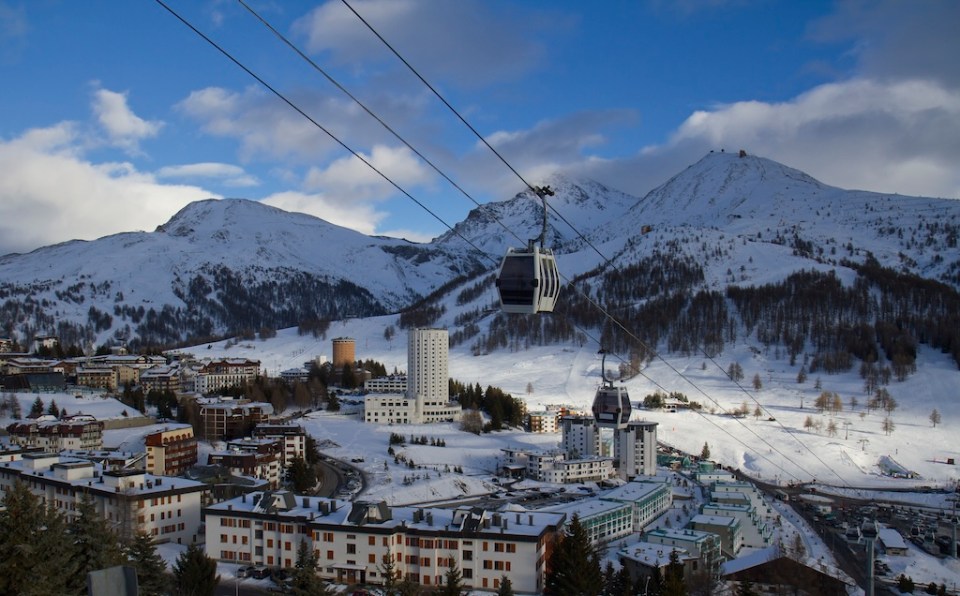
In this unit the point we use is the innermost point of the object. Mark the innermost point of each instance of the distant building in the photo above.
(390, 384)
(727, 528)
(554, 467)
(171, 451)
(543, 422)
(229, 419)
(161, 378)
(427, 396)
(228, 372)
(255, 458)
(51, 434)
(635, 449)
(581, 436)
(344, 352)
(641, 558)
(292, 437)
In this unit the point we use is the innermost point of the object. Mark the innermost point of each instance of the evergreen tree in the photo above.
(53, 410)
(673, 582)
(654, 586)
(194, 573)
(452, 580)
(34, 559)
(506, 586)
(95, 546)
(36, 410)
(305, 579)
(705, 452)
(333, 402)
(573, 567)
(301, 475)
(745, 588)
(151, 569)
(390, 573)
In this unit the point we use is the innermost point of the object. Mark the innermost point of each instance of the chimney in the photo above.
(243, 498)
(531, 519)
(429, 519)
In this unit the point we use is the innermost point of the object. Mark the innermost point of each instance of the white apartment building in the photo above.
(80, 432)
(581, 436)
(648, 500)
(228, 372)
(756, 532)
(351, 539)
(391, 384)
(554, 467)
(427, 396)
(603, 521)
(635, 449)
(168, 508)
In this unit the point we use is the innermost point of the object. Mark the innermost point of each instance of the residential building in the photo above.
(166, 508)
(171, 451)
(292, 437)
(255, 458)
(757, 533)
(161, 378)
(635, 449)
(228, 372)
(727, 528)
(554, 467)
(705, 546)
(390, 384)
(543, 422)
(427, 397)
(350, 540)
(228, 419)
(641, 558)
(603, 521)
(648, 500)
(581, 436)
(51, 434)
(769, 574)
(97, 378)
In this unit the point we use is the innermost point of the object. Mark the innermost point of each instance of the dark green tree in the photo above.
(305, 579)
(333, 402)
(745, 588)
(705, 452)
(574, 567)
(36, 410)
(301, 475)
(348, 379)
(653, 586)
(673, 582)
(390, 573)
(95, 545)
(151, 569)
(53, 410)
(905, 584)
(34, 558)
(452, 580)
(194, 573)
(506, 587)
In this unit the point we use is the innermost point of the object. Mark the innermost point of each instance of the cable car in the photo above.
(611, 406)
(528, 280)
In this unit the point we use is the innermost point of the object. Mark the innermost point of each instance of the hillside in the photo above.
(708, 256)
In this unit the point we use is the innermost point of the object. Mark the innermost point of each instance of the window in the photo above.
(488, 564)
(371, 558)
(372, 540)
(468, 555)
(351, 549)
(330, 554)
(467, 573)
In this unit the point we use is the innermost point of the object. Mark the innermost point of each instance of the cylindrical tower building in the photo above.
(344, 351)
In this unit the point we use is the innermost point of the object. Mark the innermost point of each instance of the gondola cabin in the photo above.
(611, 406)
(528, 281)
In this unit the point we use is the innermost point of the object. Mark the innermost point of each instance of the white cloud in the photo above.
(50, 194)
(351, 180)
(228, 174)
(124, 128)
(360, 217)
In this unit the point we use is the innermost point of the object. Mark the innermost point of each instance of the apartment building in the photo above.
(554, 467)
(171, 451)
(255, 458)
(350, 539)
(130, 500)
(51, 434)
(228, 372)
(228, 419)
(292, 437)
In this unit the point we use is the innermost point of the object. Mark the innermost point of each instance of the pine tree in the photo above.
(36, 410)
(151, 569)
(34, 559)
(95, 545)
(305, 579)
(194, 573)
(301, 475)
(506, 587)
(705, 452)
(389, 573)
(573, 567)
(673, 583)
(53, 410)
(452, 580)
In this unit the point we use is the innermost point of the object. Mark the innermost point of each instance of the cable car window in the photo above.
(517, 282)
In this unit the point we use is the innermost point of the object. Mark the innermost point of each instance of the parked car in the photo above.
(243, 571)
(260, 573)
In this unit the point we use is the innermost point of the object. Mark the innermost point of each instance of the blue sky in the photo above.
(114, 115)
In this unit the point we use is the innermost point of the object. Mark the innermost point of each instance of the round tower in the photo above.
(344, 351)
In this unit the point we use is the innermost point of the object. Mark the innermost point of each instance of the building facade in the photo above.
(351, 539)
(171, 451)
(581, 436)
(50, 434)
(228, 372)
(635, 449)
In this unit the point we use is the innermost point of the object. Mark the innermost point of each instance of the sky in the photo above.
(114, 115)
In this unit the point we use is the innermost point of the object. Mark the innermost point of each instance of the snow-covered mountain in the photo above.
(221, 266)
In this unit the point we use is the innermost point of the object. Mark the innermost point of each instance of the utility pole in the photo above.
(846, 428)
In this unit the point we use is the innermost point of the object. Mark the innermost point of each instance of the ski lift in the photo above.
(528, 280)
(611, 406)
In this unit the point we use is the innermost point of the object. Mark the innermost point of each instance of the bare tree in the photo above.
(757, 383)
(832, 429)
(935, 417)
(888, 425)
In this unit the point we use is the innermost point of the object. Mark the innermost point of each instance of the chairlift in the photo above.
(611, 406)
(528, 280)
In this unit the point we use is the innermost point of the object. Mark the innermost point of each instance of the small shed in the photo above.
(893, 543)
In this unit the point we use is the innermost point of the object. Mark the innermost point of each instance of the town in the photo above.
(223, 478)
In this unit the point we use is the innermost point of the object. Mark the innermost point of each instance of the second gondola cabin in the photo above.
(528, 281)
